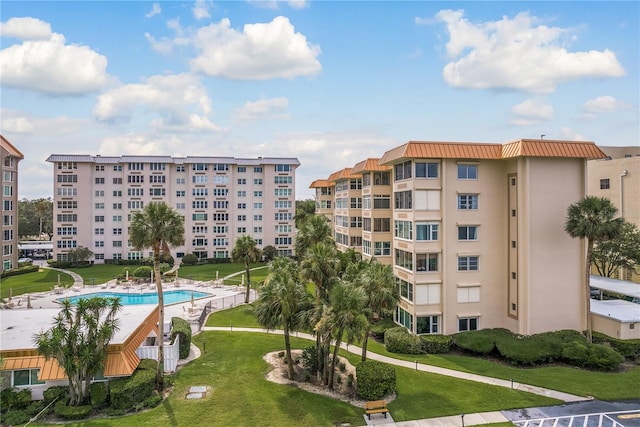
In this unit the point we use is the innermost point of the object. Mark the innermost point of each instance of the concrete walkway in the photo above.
(456, 420)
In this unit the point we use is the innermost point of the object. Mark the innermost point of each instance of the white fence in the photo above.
(171, 354)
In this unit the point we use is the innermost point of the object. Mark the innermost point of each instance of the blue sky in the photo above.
(331, 83)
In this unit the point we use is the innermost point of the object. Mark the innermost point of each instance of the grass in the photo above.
(43, 280)
(242, 316)
(240, 395)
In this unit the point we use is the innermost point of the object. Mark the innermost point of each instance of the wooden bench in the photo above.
(376, 407)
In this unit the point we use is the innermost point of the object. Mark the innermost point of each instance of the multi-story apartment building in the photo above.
(324, 198)
(221, 198)
(376, 210)
(478, 236)
(347, 224)
(11, 156)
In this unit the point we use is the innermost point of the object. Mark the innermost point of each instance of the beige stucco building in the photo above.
(221, 199)
(477, 234)
(11, 156)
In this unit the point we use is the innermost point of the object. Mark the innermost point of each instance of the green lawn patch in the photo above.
(40, 281)
(242, 316)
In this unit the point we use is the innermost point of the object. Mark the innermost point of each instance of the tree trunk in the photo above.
(334, 360)
(326, 351)
(246, 297)
(287, 345)
(588, 289)
(365, 341)
(158, 279)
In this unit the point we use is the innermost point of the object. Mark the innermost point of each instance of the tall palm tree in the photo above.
(246, 251)
(378, 282)
(282, 300)
(304, 210)
(314, 229)
(157, 226)
(593, 219)
(346, 315)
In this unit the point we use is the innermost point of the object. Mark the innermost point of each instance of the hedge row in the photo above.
(181, 328)
(125, 393)
(375, 379)
(627, 348)
(20, 270)
(399, 340)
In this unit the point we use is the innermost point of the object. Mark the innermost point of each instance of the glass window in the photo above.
(427, 231)
(467, 171)
(427, 324)
(467, 201)
(426, 170)
(468, 263)
(468, 324)
(467, 232)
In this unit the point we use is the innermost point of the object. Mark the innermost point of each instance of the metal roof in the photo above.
(85, 158)
(11, 149)
(622, 287)
(369, 165)
(318, 183)
(620, 310)
(342, 174)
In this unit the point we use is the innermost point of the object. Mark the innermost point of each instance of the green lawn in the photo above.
(242, 315)
(240, 395)
(43, 280)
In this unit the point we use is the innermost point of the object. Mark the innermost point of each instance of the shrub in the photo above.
(72, 412)
(142, 271)
(59, 392)
(13, 399)
(480, 342)
(529, 350)
(125, 393)
(603, 358)
(15, 417)
(310, 359)
(152, 401)
(436, 344)
(627, 348)
(35, 407)
(399, 340)
(181, 328)
(375, 379)
(98, 394)
(21, 270)
(380, 327)
(189, 259)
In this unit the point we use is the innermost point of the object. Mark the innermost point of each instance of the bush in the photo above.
(310, 359)
(143, 271)
(15, 417)
(399, 340)
(627, 348)
(59, 392)
(375, 379)
(189, 259)
(479, 342)
(125, 393)
(153, 400)
(436, 344)
(181, 328)
(13, 399)
(21, 270)
(521, 350)
(72, 412)
(98, 394)
(380, 327)
(592, 356)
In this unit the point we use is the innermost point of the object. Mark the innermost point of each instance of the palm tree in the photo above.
(157, 226)
(282, 300)
(304, 210)
(593, 219)
(378, 282)
(246, 250)
(346, 315)
(314, 229)
(78, 341)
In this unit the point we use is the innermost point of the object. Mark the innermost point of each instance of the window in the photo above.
(117, 193)
(604, 184)
(99, 231)
(219, 192)
(405, 289)
(283, 168)
(99, 205)
(381, 201)
(220, 167)
(403, 200)
(279, 241)
(68, 204)
(117, 206)
(426, 170)
(355, 184)
(283, 192)
(135, 204)
(467, 232)
(257, 229)
(180, 193)
(242, 218)
(199, 229)
(467, 294)
(199, 242)
(199, 179)
(427, 262)
(467, 201)
(117, 231)
(402, 230)
(200, 204)
(427, 324)
(199, 216)
(117, 243)
(468, 263)
(283, 216)
(355, 222)
(63, 165)
(381, 224)
(221, 217)
(356, 203)
(467, 324)
(281, 204)
(135, 166)
(242, 206)
(220, 204)
(382, 249)
(381, 178)
(26, 377)
(117, 168)
(117, 181)
(157, 191)
(258, 205)
(135, 179)
(242, 181)
(70, 192)
(404, 318)
(199, 167)
(135, 192)
(117, 218)
(257, 169)
(180, 168)
(181, 181)
(427, 231)
(242, 169)
(279, 179)
(366, 244)
(68, 217)
(180, 206)
(404, 259)
(402, 171)
(98, 180)
(259, 194)
(157, 179)
(257, 181)
(257, 217)
(467, 171)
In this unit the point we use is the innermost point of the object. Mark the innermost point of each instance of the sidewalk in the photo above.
(450, 421)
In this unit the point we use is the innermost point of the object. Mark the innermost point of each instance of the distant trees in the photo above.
(35, 217)
(78, 341)
(79, 254)
(304, 210)
(621, 253)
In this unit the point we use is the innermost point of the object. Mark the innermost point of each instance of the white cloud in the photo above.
(18, 124)
(165, 45)
(531, 111)
(518, 53)
(155, 10)
(49, 65)
(603, 104)
(26, 28)
(201, 10)
(181, 101)
(298, 4)
(274, 108)
(140, 144)
(259, 52)
(571, 135)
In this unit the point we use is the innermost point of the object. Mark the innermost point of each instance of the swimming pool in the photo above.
(170, 297)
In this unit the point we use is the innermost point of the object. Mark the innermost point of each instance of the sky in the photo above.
(330, 83)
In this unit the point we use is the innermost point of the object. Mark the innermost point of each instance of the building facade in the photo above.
(477, 234)
(11, 156)
(220, 198)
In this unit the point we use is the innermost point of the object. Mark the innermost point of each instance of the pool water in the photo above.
(170, 297)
